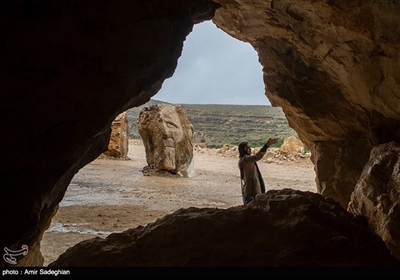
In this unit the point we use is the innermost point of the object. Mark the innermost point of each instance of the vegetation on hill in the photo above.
(216, 125)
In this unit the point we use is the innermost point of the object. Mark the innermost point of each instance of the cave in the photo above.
(71, 67)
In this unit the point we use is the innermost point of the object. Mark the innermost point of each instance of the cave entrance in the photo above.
(218, 75)
(215, 68)
(221, 76)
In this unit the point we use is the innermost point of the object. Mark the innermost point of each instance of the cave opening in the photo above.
(105, 194)
(215, 68)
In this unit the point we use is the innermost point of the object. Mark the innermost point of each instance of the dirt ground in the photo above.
(111, 195)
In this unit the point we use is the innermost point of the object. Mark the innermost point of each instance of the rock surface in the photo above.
(377, 194)
(333, 68)
(167, 136)
(280, 228)
(119, 139)
(292, 145)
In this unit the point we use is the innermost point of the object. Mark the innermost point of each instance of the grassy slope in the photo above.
(216, 125)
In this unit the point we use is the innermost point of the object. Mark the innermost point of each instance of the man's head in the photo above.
(243, 148)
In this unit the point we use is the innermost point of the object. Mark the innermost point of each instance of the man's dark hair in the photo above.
(242, 149)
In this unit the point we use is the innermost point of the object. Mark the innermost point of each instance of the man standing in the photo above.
(252, 180)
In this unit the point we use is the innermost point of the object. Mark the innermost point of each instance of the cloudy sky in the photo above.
(215, 68)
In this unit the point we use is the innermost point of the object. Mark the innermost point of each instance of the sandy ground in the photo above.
(111, 195)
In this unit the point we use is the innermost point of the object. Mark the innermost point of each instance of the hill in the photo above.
(216, 124)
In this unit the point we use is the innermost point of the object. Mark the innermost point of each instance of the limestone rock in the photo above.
(377, 194)
(280, 228)
(229, 150)
(167, 136)
(292, 145)
(118, 146)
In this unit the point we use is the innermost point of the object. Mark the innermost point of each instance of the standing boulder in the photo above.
(167, 136)
(119, 141)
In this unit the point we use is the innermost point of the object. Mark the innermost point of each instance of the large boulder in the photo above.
(292, 145)
(118, 146)
(167, 136)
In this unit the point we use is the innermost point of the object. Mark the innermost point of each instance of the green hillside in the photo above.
(216, 125)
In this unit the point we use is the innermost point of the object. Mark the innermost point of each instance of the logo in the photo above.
(10, 255)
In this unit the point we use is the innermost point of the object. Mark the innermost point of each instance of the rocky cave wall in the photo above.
(70, 67)
(333, 68)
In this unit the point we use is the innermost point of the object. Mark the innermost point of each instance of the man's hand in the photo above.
(272, 141)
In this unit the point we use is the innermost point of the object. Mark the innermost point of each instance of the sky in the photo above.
(215, 68)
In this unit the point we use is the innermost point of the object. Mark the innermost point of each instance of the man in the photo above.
(253, 183)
